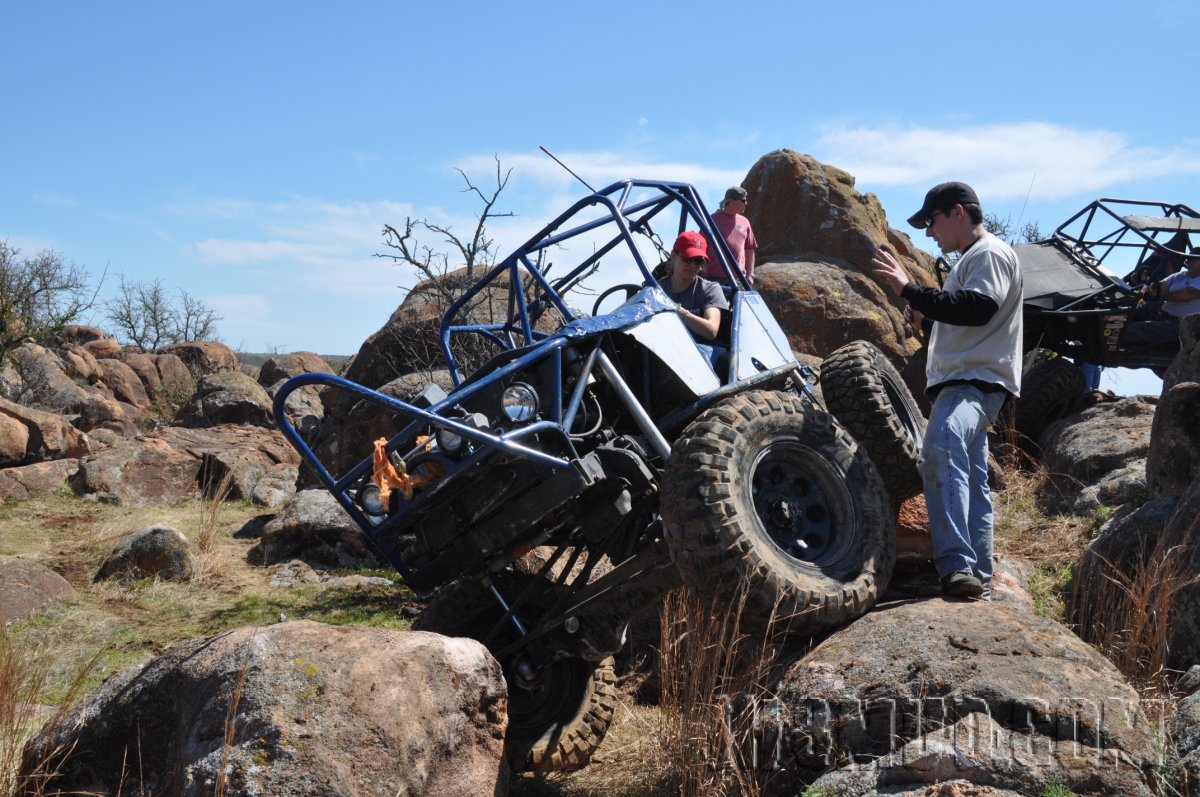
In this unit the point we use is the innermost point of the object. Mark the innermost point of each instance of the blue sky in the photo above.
(250, 153)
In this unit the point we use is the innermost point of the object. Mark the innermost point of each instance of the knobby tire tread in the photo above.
(854, 383)
(717, 540)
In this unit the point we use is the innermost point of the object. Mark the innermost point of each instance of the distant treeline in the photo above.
(336, 361)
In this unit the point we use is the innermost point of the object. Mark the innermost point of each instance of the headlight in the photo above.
(371, 501)
(519, 402)
(450, 442)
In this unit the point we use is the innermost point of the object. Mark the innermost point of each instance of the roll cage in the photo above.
(1081, 283)
(629, 206)
(539, 330)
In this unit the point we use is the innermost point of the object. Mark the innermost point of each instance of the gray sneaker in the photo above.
(962, 585)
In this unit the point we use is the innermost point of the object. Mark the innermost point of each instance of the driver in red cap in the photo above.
(700, 301)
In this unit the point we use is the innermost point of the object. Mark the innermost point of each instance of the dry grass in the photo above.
(25, 675)
(715, 680)
(1125, 609)
(1025, 530)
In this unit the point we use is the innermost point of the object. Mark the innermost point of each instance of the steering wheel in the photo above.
(629, 288)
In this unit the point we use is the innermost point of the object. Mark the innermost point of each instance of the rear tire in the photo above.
(1049, 392)
(867, 395)
(765, 495)
(558, 714)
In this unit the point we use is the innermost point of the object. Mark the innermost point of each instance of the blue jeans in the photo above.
(954, 468)
(1091, 375)
(1154, 332)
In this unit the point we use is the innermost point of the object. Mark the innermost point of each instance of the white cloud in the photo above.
(1002, 160)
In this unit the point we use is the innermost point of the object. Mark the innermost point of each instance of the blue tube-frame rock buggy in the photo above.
(609, 443)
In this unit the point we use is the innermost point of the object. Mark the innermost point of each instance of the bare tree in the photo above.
(434, 264)
(146, 316)
(1006, 229)
(195, 319)
(39, 296)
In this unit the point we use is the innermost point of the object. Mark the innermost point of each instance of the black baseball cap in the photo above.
(943, 196)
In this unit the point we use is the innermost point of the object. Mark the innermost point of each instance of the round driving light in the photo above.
(519, 402)
(450, 442)
(371, 500)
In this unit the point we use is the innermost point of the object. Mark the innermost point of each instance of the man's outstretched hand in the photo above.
(888, 269)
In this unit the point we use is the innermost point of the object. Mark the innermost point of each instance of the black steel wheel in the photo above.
(764, 495)
(867, 395)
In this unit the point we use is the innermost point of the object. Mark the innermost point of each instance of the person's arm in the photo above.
(703, 324)
(962, 307)
(750, 265)
(1184, 294)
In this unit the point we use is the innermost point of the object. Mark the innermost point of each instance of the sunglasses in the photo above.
(933, 217)
(695, 261)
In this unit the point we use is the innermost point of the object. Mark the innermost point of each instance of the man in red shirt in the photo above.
(735, 229)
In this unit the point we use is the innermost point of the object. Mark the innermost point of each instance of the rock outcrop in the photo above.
(285, 366)
(154, 552)
(1098, 456)
(29, 435)
(987, 692)
(228, 397)
(817, 235)
(26, 587)
(204, 357)
(308, 709)
(314, 528)
(40, 477)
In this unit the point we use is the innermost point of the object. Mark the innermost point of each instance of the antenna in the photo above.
(568, 168)
(1028, 191)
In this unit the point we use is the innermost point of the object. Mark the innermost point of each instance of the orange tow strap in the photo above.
(386, 477)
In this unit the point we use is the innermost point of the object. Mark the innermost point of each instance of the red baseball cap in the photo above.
(691, 244)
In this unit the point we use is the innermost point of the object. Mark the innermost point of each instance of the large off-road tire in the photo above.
(557, 715)
(766, 496)
(1049, 392)
(867, 395)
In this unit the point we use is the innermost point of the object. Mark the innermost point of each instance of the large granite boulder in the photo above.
(290, 710)
(14, 440)
(146, 369)
(285, 366)
(178, 384)
(804, 209)
(139, 473)
(227, 397)
(26, 587)
(936, 689)
(81, 364)
(204, 357)
(1097, 456)
(313, 528)
(44, 435)
(37, 478)
(157, 551)
(124, 382)
(817, 235)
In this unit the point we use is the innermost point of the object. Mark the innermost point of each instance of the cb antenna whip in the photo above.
(568, 168)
